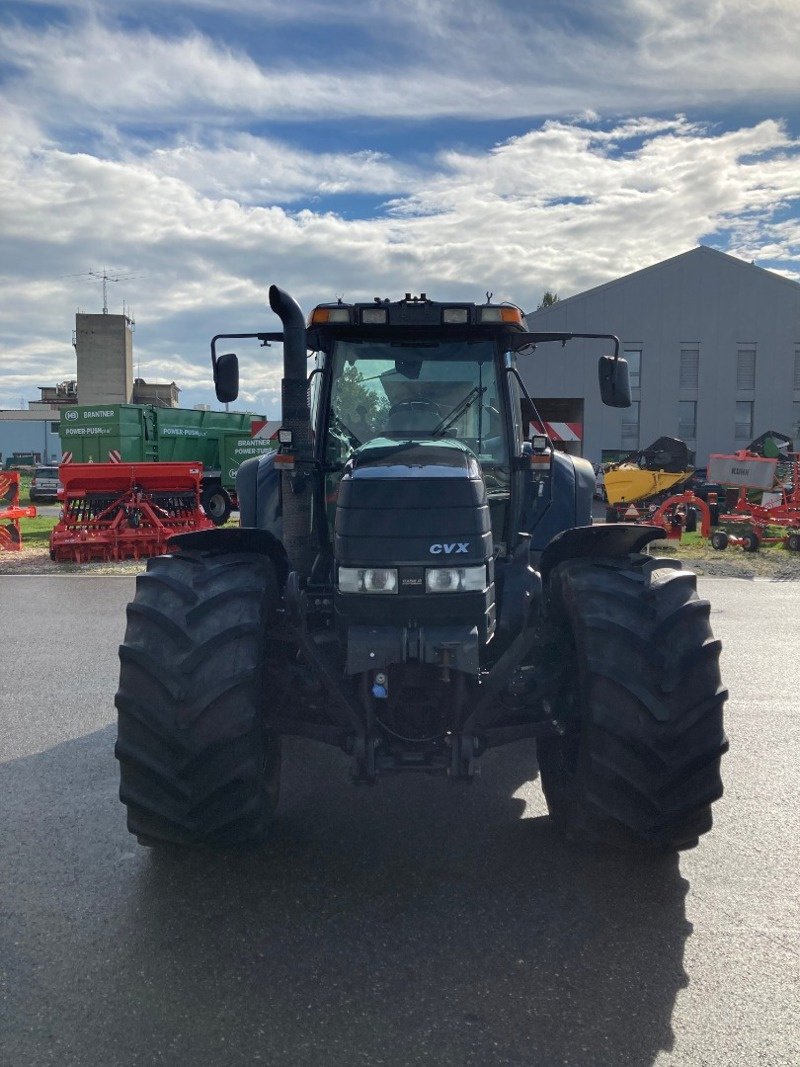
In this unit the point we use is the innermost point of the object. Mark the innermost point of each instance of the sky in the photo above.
(199, 150)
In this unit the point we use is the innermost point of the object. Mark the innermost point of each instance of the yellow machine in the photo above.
(644, 475)
(627, 484)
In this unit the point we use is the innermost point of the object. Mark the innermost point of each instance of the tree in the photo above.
(548, 299)
(360, 406)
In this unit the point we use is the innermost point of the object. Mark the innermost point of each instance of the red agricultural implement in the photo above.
(679, 513)
(114, 511)
(749, 525)
(745, 523)
(11, 512)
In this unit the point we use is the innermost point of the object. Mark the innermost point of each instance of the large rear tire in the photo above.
(198, 762)
(638, 766)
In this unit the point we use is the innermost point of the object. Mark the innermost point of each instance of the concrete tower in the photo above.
(104, 352)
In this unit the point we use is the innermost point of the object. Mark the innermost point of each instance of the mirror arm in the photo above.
(524, 339)
(264, 338)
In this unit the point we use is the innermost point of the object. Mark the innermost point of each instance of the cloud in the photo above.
(427, 60)
(257, 170)
(564, 206)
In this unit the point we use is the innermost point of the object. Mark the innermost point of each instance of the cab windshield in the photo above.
(401, 391)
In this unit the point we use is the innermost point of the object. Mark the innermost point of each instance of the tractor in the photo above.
(415, 579)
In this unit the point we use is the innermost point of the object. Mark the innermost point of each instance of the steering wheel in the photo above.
(413, 416)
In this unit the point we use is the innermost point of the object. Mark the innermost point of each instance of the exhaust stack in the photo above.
(295, 416)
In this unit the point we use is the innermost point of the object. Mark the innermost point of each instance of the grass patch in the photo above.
(36, 532)
(24, 490)
(694, 547)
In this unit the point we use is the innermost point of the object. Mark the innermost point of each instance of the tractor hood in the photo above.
(410, 502)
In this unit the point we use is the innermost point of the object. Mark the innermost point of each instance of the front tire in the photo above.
(638, 765)
(199, 764)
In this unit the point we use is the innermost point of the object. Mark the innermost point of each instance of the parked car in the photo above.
(44, 485)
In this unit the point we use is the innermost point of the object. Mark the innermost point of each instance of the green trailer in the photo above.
(140, 433)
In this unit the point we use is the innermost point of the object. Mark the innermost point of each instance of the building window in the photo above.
(630, 426)
(796, 419)
(744, 420)
(55, 427)
(746, 369)
(634, 358)
(797, 367)
(687, 419)
(690, 365)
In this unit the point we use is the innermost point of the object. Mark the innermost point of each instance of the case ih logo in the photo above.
(449, 550)
(71, 416)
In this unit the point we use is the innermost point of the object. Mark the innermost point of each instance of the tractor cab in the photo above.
(401, 389)
(395, 376)
(385, 398)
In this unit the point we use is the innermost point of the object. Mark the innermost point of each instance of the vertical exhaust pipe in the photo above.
(294, 335)
(295, 416)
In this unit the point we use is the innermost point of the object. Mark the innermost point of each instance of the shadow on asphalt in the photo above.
(416, 922)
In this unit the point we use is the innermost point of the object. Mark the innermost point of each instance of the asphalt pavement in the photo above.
(417, 922)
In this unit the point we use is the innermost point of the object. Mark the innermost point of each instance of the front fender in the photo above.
(258, 487)
(237, 539)
(616, 540)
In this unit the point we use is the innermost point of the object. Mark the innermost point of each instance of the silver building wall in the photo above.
(711, 330)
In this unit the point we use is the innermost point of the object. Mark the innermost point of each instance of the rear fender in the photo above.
(237, 539)
(616, 541)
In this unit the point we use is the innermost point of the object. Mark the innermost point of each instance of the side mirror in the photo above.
(226, 377)
(615, 386)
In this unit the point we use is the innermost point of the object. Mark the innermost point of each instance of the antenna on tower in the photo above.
(107, 277)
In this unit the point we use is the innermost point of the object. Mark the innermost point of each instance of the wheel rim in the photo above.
(216, 506)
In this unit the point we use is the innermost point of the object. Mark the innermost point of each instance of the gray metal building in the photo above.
(713, 345)
(30, 431)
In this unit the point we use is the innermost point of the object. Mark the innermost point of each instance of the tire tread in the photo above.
(197, 765)
(646, 768)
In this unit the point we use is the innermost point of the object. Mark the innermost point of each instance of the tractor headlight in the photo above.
(367, 579)
(455, 579)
